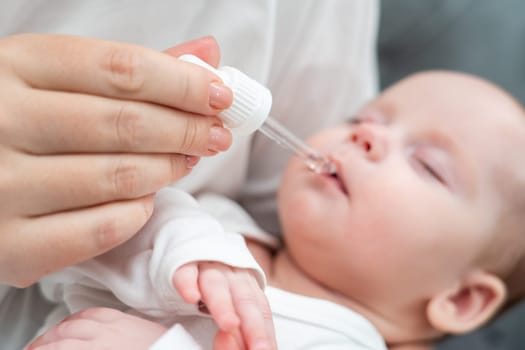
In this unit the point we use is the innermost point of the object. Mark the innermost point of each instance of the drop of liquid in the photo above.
(320, 165)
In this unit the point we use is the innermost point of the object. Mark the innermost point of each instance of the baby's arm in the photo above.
(141, 272)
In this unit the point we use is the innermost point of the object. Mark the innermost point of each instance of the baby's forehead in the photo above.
(450, 100)
(449, 89)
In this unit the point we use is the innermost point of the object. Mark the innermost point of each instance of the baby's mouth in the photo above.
(338, 179)
(340, 183)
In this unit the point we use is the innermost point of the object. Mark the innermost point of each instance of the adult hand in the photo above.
(89, 130)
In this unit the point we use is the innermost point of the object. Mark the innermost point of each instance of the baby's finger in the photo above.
(185, 281)
(228, 341)
(217, 297)
(254, 312)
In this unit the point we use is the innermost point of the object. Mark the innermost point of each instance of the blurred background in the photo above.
(481, 37)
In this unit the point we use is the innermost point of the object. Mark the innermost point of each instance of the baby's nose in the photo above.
(370, 140)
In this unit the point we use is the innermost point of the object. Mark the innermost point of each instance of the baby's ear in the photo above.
(468, 305)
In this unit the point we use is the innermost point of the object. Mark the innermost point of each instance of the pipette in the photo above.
(283, 137)
(249, 112)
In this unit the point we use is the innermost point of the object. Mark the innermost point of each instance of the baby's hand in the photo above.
(234, 300)
(100, 328)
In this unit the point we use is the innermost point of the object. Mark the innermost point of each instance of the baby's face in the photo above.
(416, 197)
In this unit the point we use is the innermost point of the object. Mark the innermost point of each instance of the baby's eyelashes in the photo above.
(353, 120)
(432, 171)
(431, 162)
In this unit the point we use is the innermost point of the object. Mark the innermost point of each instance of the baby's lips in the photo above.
(339, 175)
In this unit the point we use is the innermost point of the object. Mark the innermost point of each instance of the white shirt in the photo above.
(300, 323)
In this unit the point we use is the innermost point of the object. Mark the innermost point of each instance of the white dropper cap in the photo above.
(251, 101)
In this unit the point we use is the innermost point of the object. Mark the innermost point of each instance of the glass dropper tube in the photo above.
(284, 138)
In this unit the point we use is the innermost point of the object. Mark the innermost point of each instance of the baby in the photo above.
(418, 235)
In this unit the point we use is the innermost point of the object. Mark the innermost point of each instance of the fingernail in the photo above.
(191, 161)
(220, 96)
(202, 307)
(219, 139)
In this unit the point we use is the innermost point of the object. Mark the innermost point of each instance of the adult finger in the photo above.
(58, 122)
(63, 239)
(116, 70)
(206, 48)
(69, 182)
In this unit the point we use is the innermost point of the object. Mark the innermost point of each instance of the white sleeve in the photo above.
(139, 272)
